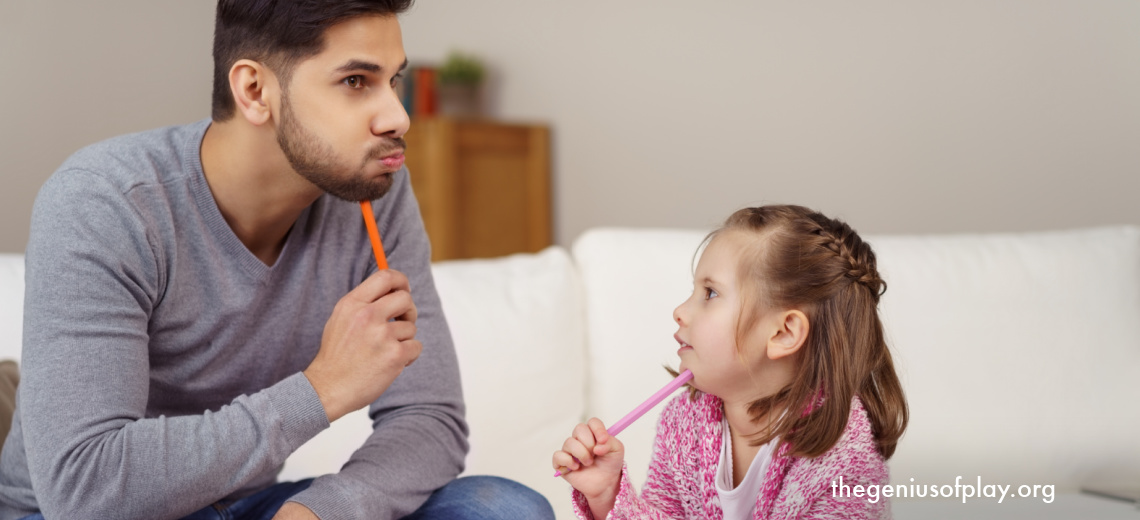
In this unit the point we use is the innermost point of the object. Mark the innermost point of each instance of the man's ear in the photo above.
(789, 335)
(253, 87)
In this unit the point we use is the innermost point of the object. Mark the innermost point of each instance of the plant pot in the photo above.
(460, 100)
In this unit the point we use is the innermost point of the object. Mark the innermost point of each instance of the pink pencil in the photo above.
(636, 414)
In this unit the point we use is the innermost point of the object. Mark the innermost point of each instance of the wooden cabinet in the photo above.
(483, 186)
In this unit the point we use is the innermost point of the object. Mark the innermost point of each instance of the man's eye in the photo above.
(354, 81)
(710, 293)
(396, 79)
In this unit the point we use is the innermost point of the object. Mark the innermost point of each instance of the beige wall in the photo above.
(972, 115)
(73, 73)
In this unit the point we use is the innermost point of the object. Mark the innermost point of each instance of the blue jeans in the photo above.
(467, 498)
(484, 498)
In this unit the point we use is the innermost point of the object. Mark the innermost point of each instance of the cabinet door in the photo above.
(483, 187)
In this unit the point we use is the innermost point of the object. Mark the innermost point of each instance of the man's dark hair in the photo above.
(278, 33)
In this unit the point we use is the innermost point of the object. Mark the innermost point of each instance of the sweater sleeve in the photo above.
(93, 281)
(662, 498)
(419, 438)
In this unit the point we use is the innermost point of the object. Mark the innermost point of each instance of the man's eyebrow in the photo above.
(360, 65)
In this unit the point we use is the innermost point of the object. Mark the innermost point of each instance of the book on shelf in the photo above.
(418, 91)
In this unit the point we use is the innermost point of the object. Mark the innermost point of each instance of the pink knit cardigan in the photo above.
(686, 452)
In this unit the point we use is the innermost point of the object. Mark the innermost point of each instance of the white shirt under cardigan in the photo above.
(739, 503)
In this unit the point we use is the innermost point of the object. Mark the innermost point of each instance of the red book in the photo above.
(424, 98)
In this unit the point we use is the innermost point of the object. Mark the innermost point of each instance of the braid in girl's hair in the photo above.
(850, 249)
(804, 260)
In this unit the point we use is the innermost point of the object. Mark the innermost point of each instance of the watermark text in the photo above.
(966, 491)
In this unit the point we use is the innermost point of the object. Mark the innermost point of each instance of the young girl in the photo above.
(793, 387)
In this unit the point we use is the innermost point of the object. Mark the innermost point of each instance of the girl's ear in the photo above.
(789, 335)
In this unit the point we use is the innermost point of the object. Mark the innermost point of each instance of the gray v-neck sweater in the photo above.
(162, 360)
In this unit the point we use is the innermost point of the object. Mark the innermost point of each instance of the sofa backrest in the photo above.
(519, 334)
(1019, 353)
(11, 305)
(632, 280)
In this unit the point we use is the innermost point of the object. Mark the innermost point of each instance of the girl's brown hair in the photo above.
(804, 260)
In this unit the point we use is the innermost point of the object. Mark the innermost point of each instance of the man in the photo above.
(202, 300)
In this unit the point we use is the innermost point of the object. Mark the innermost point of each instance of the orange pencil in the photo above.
(373, 234)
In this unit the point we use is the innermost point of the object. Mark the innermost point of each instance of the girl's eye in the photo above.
(354, 81)
(710, 293)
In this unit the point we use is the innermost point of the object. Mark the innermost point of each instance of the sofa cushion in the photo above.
(11, 334)
(11, 305)
(9, 380)
(518, 329)
(633, 279)
(1019, 353)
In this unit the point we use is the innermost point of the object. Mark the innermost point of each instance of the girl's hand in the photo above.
(591, 461)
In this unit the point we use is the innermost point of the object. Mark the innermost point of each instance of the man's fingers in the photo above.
(402, 354)
(379, 284)
(388, 293)
(385, 330)
(396, 305)
(415, 348)
(410, 314)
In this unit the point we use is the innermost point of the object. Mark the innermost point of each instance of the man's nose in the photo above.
(391, 119)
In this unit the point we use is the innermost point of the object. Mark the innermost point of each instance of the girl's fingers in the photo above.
(583, 445)
(598, 429)
(562, 459)
(612, 445)
(580, 453)
(585, 436)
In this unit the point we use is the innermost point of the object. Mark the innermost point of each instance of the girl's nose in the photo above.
(677, 314)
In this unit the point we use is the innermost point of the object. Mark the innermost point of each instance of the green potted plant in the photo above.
(460, 85)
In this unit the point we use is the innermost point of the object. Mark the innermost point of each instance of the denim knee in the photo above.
(496, 498)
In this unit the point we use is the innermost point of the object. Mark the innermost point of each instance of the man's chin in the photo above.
(361, 191)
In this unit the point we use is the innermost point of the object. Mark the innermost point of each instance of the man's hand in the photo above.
(367, 342)
(294, 511)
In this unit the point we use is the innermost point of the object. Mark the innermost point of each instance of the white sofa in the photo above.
(1019, 353)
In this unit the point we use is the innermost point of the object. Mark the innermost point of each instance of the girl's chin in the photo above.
(698, 386)
(695, 381)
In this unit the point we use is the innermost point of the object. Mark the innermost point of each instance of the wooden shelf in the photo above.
(483, 186)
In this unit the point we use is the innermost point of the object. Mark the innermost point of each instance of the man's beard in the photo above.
(315, 160)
